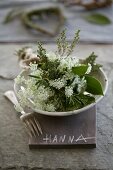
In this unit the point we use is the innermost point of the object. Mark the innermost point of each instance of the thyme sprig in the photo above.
(64, 48)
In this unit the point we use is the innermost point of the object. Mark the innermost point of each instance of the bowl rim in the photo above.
(73, 112)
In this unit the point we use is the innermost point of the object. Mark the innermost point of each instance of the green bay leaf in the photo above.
(97, 18)
(80, 70)
(93, 86)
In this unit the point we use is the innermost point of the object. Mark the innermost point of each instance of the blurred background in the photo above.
(42, 20)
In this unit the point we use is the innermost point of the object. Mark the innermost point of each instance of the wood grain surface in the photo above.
(67, 132)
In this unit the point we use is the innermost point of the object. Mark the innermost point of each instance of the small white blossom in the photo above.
(89, 68)
(19, 79)
(39, 105)
(50, 107)
(67, 62)
(31, 88)
(42, 93)
(57, 83)
(68, 91)
(37, 73)
(33, 66)
(81, 85)
(51, 56)
(23, 100)
(76, 80)
(69, 75)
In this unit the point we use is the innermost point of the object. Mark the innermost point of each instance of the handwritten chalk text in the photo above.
(48, 138)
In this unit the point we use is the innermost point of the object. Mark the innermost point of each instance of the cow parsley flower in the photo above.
(81, 85)
(50, 107)
(33, 66)
(42, 93)
(57, 83)
(19, 79)
(68, 91)
(52, 56)
(76, 80)
(39, 105)
(67, 62)
(37, 73)
(23, 100)
(89, 68)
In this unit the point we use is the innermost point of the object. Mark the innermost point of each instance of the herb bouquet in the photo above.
(56, 81)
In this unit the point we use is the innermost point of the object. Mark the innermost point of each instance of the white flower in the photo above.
(89, 68)
(30, 83)
(81, 85)
(68, 91)
(69, 75)
(57, 83)
(67, 62)
(52, 56)
(39, 105)
(50, 107)
(23, 100)
(42, 93)
(19, 79)
(37, 73)
(33, 66)
(76, 80)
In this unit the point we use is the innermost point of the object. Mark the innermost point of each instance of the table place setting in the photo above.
(56, 84)
(56, 93)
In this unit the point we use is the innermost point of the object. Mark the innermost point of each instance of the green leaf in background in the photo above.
(80, 70)
(93, 86)
(99, 19)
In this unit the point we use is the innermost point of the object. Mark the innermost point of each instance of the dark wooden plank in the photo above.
(73, 131)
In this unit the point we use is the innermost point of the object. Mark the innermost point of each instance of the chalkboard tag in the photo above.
(75, 131)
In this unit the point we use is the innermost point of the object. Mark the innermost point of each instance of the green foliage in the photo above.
(99, 19)
(41, 51)
(79, 101)
(93, 86)
(92, 60)
(80, 70)
(79, 79)
(74, 42)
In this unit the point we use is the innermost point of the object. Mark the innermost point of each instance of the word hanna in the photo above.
(65, 138)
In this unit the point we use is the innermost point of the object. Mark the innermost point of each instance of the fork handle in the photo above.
(11, 96)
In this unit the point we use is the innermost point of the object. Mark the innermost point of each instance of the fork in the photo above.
(32, 125)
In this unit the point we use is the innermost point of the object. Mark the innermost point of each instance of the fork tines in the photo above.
(31, 124)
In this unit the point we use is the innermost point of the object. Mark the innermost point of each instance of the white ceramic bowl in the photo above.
(100, 75)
